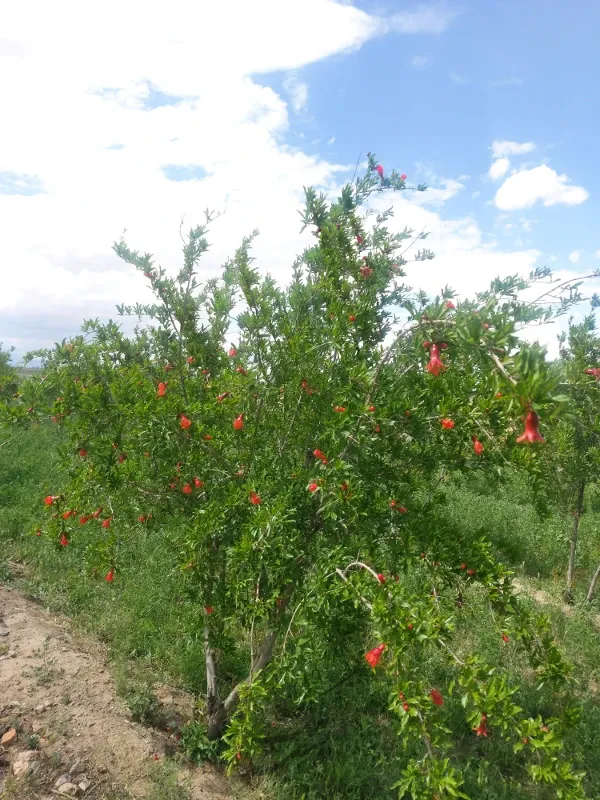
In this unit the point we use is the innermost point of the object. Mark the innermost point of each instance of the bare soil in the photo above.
(57, 692)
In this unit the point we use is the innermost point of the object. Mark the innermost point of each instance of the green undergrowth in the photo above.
(342, 747)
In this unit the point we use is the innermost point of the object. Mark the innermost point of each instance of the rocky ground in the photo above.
(64, 730)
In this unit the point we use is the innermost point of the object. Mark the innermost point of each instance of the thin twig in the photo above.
(560, 286)
(501, 367)
(364, 599)
(452, 653)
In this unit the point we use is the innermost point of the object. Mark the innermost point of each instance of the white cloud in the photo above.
(464, 259)
(424, 19)
(298, 91)
(438, 195)
(331, 141)
(597, 254)
(221, 129)
(459, 80)
(504, 148)
(528, 186)
(475, 194)
(575, 257)
(499, 168)
(418, 62)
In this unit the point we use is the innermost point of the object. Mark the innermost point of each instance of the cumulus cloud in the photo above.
(575, 257)
(502, 148)
(164, 128)
(541, 184)
(499, 168)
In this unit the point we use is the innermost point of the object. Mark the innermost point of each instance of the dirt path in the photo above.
(58, 695)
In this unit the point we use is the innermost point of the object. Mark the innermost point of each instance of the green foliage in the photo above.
(290, 494)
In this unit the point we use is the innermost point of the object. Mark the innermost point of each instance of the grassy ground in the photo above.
(342, 748)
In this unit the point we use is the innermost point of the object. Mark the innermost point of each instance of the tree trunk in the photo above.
(219, 713)
(574, 536)
(592, 589)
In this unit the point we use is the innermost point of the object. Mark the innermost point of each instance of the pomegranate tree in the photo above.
(292, 444)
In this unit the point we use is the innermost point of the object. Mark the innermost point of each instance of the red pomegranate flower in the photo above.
(436, 697)
(208, 610)
(482, 729)
(85, 518)
(82, 452)
(531, 433)
(381, 577)
(198, 483)
(371, 408)
(359, 239)
(352, 318)
(221, 397)
(48, 500)
(241, 370)
(379, 170)
(344, 486)
(255, 499)
(67, 514)
(110, 576)
(505, 637)
(403, 177)
(594, 372)
(122, 458)
(187, 489)
(312, 487)
(184, 422)
(450, 305)
(405, 706)
(447, 424)
(232, 352)
(64, 541)
(38, 532)
(435, 365)
(339, 409)
(206, 372)
(106, 522)
(366, 272)
(142, 518)
(374, 656)
(238, 422)
(190, 359)
(320, 455)
(97, 513)
(162, 389)
(477, 446)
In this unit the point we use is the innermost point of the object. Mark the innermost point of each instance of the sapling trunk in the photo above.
(219, 712)
(592, 589)
(574, 537)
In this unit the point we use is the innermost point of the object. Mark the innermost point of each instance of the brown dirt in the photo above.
(59, 687)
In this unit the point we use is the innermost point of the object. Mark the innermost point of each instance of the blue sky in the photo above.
(236, 107)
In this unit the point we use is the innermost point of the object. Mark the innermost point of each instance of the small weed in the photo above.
(141, 701)
(65, 699)
(166, 785)
(32, 741)
(197, 746)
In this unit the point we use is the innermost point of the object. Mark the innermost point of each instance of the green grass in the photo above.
(341, 748)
